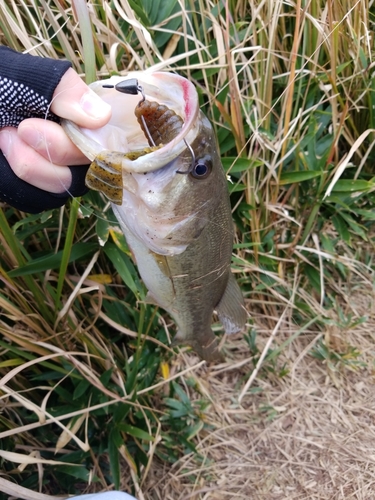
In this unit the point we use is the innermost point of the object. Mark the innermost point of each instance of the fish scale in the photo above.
(178, 227)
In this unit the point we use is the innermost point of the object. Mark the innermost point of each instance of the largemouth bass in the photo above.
(158, 162)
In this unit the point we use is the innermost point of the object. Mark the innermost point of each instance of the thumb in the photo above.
(75, 101)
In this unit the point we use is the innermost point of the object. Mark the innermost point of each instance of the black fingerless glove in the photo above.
(23, 196)
(27, 84)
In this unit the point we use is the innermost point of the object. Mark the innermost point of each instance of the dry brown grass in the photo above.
(308, 435)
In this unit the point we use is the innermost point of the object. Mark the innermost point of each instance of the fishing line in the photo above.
(131, 87)
(107, 206)
(56, 167)
(48, 110)
(115, 222)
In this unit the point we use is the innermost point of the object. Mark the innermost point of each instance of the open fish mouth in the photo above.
(156, 133)
(158, 162)
(123, 134)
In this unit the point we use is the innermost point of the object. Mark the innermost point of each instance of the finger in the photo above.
(50, 141)
(23, 196)
(30, 166)
(74, 100)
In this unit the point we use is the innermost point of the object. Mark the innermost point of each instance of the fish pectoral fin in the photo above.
(231, 308)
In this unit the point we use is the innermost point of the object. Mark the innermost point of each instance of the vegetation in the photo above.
(89, 385)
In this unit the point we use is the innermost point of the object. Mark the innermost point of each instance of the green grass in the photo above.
(85, 363)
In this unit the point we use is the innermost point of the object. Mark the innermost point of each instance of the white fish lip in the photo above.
(172, 90)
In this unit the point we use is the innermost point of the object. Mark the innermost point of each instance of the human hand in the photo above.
(39, 151)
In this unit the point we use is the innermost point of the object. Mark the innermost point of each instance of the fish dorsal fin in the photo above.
(231, 308)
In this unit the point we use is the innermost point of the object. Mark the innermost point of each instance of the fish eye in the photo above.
(202, 168)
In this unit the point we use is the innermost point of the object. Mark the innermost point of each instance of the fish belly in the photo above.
(190, 285)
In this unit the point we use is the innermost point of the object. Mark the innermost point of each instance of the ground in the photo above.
(308, 434)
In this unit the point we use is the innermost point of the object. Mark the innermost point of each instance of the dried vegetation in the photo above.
(91, 396)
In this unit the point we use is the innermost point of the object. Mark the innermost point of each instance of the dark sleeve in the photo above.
(23, 196)
(27, 84)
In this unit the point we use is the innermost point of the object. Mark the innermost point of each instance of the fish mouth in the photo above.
(123, 133)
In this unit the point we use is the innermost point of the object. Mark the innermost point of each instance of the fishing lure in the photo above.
(158, 122)
(178, 227)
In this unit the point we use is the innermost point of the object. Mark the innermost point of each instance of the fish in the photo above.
(158, 163)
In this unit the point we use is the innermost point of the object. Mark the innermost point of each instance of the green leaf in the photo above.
(354, 226)
(341, 67)
(350, 185)
(11, 362)
(135, 432)
(181, 394)
(177, 409)
(234, 188)
(123, 266)
(106, 377)
(102, 231)
(85, 211)
(314, 277)
(120, 412)
(194, 430)
(81, 10)
(140, 12)
(366, 214)
(233, 164)
(114, 456)
(32, 218)
(79, 250)
(161, 10)
(120, 240)
(341, 228)
(81, 388)
(79, 472)
(68, 245)
(299, 176)
(175, 404)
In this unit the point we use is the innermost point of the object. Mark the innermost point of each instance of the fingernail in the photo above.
(93, 105)
(5, 142)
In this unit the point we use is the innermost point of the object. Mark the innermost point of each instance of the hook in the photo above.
(132, 87)
(192, 165)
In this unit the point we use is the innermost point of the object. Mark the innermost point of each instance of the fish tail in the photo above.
(206, 346)
(209, 349)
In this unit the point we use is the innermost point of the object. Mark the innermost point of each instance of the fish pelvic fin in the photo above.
(231, 308)
(206, 346)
